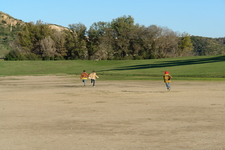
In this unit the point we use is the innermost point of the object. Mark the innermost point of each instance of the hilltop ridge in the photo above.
(6, 19)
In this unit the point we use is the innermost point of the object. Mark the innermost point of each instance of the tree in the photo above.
(76, 40)
(123, 29)
(59, 39)
(31, 36)
(148, 37)
(207, 46)
(95, 35)
(25, 37)
(185, 44)
(48, 48)
(166, 44)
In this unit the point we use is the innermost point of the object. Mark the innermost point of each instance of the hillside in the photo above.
(9, 27)
(42, 41)
(6, 19)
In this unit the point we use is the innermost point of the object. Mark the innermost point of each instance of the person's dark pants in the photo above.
(93, 82)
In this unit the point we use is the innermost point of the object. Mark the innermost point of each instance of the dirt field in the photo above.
(58, 113)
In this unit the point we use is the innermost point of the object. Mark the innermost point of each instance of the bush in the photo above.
(17, 55)
(137, 57)
(59, 58)
(32, 56)
(12, 55)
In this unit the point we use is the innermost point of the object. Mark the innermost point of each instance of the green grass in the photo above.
(183, 68)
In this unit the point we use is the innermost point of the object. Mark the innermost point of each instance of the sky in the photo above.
(196, 17)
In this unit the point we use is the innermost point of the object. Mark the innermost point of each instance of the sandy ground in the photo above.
(58, 113)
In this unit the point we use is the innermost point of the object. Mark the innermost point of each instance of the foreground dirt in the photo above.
(58, 113)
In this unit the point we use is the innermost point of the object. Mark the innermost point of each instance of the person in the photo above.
(93, 77)
(84, 77)
(167, 78)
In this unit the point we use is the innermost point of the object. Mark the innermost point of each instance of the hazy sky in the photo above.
(196, 17)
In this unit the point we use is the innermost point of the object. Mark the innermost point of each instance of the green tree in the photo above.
(25, 37)
(207, 46)
(185, 44)
(95, 35)
(76, 41)
(122, 32)
(31, 38)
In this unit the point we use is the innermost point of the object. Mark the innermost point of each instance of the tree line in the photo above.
(120, 39)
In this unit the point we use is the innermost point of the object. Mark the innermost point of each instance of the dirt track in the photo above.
(58, 113)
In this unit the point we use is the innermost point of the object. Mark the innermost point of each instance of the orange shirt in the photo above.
(84, 75)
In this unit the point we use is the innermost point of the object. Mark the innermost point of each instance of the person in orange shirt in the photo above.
(84, 77)
(167, 78)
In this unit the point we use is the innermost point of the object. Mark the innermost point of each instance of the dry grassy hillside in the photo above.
(6, 19)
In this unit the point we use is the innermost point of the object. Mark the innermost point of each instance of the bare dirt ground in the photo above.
(58, 113)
